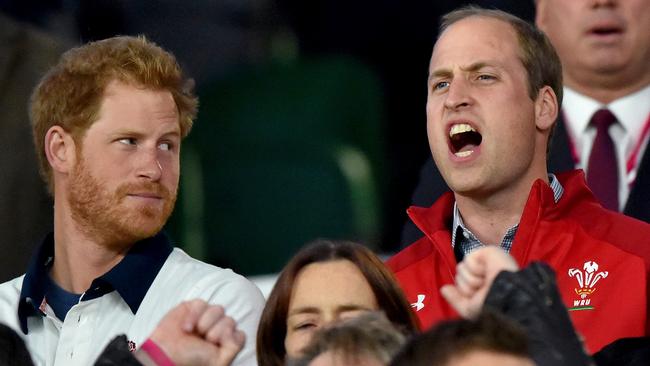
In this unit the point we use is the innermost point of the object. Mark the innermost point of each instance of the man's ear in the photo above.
(546, 108)
(540, 14)
(60, 149)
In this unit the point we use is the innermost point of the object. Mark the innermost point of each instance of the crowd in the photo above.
(517, 264)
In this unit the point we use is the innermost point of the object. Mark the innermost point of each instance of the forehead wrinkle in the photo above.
(169, 128)
(173, 134)
(162, 114)
(477, 66)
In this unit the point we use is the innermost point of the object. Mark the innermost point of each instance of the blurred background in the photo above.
(311, 120)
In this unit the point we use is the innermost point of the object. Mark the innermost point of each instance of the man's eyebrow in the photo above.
(476, 66)
(440, 73)
(126, 132)
(447, 73)
(172, 135)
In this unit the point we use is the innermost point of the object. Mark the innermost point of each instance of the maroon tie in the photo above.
(602, 171)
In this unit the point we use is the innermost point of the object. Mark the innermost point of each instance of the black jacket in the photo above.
(531, 298)
(117, 353)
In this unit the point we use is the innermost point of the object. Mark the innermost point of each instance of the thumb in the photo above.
(230, 347)
(455, 299)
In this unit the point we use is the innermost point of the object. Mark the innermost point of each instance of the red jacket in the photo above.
(601, 259)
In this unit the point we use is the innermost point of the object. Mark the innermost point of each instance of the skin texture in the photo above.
(324, 293)
(602, 65)
(487, 358)
(474, 277)
(196, 333)
(114, 185)
(476, 77)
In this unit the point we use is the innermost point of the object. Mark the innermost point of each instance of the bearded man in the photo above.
(108, 121)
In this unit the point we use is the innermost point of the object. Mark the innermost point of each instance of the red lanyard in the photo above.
(631, 161)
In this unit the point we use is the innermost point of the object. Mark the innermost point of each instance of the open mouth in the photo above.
(463, 139)
(608, 28)
(605, 31)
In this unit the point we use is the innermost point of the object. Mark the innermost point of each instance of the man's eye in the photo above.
(128, 141)
(165, 146)
(486, 77)
(440, 85)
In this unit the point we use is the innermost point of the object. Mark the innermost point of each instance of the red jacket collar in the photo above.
(540, 204)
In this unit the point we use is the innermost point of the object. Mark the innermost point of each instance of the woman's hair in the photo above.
(272, 330)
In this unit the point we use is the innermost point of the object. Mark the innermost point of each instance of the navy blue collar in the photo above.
(131, 277)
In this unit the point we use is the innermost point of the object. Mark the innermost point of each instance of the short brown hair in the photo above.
(537, 54)
(273, 324)
(491, 332)
(369, 335)
(71, 93)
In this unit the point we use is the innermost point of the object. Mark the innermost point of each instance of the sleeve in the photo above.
(531, 298)
(242, 301)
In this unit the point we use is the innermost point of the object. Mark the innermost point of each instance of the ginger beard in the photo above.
(105, 216)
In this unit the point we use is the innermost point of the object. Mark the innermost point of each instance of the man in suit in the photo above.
(604, 47)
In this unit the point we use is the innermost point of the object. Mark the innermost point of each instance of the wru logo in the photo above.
(587, 278)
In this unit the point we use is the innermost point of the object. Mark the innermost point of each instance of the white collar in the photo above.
(631, 111)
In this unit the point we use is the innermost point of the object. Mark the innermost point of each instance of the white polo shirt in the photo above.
(129, 299)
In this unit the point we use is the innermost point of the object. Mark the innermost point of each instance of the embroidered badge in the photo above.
(587, 279)
(131, 346)
(418, 305)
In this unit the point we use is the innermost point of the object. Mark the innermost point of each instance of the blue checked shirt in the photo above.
(468, 242)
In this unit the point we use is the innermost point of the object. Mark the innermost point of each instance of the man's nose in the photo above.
(458, 95)
(149, 166)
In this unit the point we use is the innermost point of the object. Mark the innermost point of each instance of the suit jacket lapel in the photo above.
(638, 203)
(560, 158)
